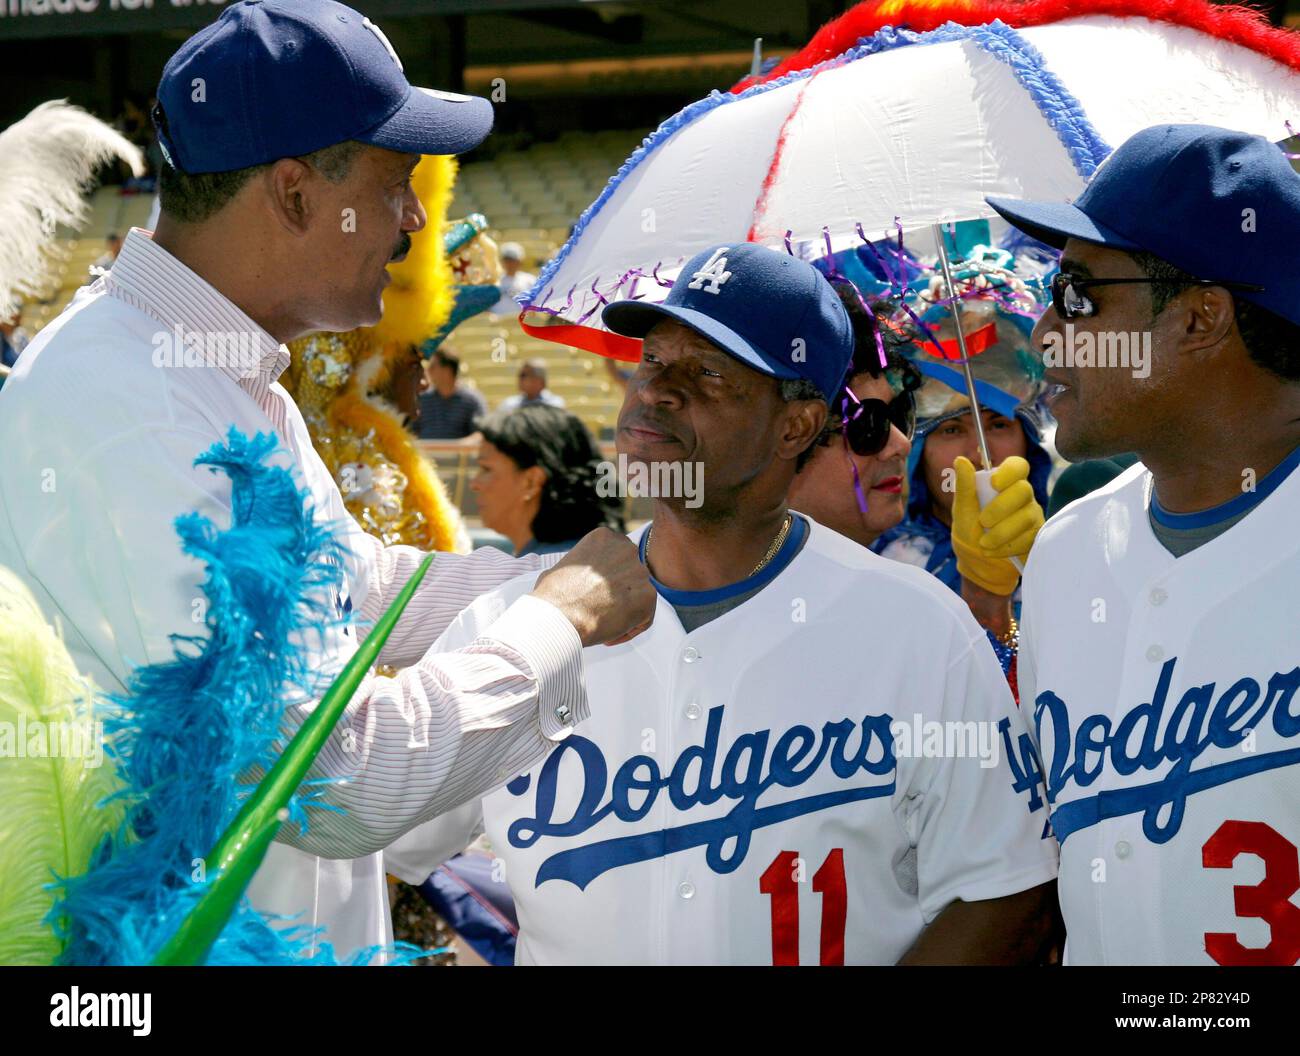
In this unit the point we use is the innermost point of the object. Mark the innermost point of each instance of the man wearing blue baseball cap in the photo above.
(764, 742)
(290, 133)
(1159, 637)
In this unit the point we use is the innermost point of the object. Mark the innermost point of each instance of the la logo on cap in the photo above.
(384, 41)
(713, 274)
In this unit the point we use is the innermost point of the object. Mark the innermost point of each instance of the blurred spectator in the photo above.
(532, 388)
(112, 247)
(13, 339)
(133, 122)
(620, 373)
(405, 382)
(448, 409)
(536, 483)
(514, 281)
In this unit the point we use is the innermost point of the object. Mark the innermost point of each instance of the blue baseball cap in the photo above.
(1218, 204)
(275, 79)
(773, 312)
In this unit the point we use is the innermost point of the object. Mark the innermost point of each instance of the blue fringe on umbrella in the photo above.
(190, 730)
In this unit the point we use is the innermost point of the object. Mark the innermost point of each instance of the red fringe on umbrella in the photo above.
(1240, 25)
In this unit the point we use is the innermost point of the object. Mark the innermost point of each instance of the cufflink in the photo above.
(563, 713)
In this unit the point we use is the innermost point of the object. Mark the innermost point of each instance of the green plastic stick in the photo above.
(244, 844)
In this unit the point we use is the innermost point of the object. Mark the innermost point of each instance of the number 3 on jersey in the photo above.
(781, 881)
(1270, 899)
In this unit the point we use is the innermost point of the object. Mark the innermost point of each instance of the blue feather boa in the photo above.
(190, 731)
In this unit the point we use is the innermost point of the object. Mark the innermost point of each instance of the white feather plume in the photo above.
(48, 162)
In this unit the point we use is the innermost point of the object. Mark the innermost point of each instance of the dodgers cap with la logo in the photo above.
(1218, 204)
(773, 312)
(275, 79)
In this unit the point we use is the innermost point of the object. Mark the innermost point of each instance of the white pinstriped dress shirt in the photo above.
(99, 427)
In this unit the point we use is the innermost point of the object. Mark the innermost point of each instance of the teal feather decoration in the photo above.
(191, 730)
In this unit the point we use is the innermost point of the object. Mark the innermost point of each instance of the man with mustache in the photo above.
(760, 793)
(290, 134)
(1159, 660)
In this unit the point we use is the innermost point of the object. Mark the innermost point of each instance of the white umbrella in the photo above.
(914, 126)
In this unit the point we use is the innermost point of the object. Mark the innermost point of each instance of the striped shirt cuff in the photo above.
(541, 634)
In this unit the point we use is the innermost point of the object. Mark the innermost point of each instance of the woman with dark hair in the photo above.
(536, 485)
(854, 478)
(536, 481)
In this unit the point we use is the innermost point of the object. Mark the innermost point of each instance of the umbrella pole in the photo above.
(961, 344)
(983, 485)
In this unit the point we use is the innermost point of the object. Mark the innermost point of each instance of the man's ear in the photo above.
(803, 424)
(1208, 316)
(289, 186)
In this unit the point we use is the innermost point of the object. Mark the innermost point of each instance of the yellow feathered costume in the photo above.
(391, 489)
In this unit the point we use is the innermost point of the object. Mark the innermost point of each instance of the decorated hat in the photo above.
(1001, 290)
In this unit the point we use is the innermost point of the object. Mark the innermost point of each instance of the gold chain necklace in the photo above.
(771, 550)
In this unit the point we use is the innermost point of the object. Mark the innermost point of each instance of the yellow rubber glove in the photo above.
(983, 540)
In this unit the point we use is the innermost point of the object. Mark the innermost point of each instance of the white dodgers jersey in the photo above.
(1163, 697)
(808, 779)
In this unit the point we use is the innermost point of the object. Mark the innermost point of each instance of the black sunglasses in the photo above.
(866, 424)
(1070, 302)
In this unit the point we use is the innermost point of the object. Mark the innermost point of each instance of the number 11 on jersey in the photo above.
(781, 881)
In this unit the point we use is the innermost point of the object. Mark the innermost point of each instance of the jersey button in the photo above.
(1122, 849)
(691, 655)
(1155, 654)
(1159, 595)
(692, 710)
(686, 889)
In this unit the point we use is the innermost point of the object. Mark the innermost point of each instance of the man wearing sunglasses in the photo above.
(753, 793)
(1160, 658)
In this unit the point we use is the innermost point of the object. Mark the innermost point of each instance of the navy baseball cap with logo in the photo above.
(275, 79)
(1218, 204)
(773, 312)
